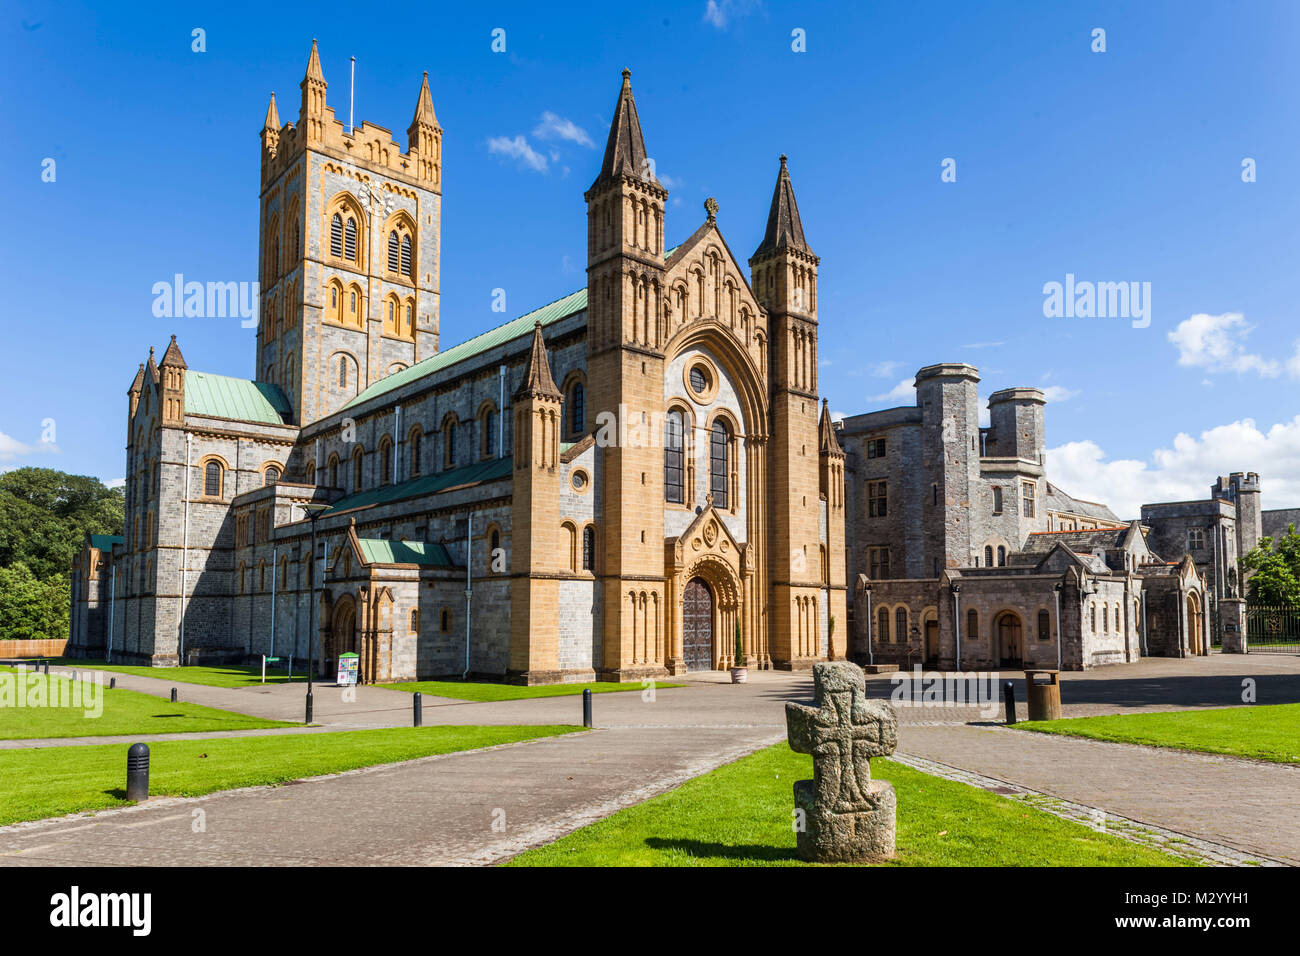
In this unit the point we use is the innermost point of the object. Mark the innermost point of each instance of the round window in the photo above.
(699, 380)
(579, 480)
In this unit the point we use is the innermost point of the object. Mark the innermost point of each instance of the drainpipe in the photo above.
(185, 549)
(112, 597)
(956, 613)
(397, 442)
(501, 414)
(469, 587)
(273, 552)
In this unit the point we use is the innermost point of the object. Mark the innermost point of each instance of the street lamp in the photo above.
(312, 510)
(871, 656)
(956, 619)
(1058, 587)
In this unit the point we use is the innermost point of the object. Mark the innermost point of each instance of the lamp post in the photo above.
(871, 656)
(1058, 587)
(312, 510)
(956, 619)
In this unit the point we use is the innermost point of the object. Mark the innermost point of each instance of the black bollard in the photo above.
(1009, 695)
(173, 695)
(586, 707)
(112, 682)
(47, 668)
(137, 772)
(308, 720)
(418, 706)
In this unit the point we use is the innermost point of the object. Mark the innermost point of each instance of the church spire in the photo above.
(311, 115)
(538, 381)
(424, 138)
(272, 116)
(784, 227)
(625, 153)
(828, 442)
(424, 114)
(313, 65)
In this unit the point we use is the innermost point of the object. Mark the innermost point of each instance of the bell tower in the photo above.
(625, 376)
(784, 271)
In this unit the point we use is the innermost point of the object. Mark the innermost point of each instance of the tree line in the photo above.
(44, 517)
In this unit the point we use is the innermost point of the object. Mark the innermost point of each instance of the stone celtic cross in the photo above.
(848, 816)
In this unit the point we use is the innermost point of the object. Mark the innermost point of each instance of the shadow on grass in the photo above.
(117, 793)
(702, 850)
(156, 716)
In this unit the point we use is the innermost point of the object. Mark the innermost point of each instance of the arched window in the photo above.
(213, 478)
(343, 371)
(413, 448)
(589, 548)
(271, 475)
(1093, 611)
(719, 463)
(1117, 625)
(334, 471)
(1002, 556)
(358, 464)
(972, 624)
(673, 489)
(900, 625)
(415, 620)
(350, 239)
(336, 236)
(449, 443)
(406, 257)
(394, 257)
(988, 556)
(409, 330)
(385, 461)
(882, 626)
(577, 409)
(444, 622)
(1044, 625)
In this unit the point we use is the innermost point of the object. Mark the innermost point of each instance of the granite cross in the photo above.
(842, 733)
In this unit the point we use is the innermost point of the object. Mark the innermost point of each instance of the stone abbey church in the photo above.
(621, 484)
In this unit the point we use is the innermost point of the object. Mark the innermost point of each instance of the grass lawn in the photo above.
(57, 780)
(469, 690)
(1262, 731)
(741, 815)
(121, 712)
(224, 675)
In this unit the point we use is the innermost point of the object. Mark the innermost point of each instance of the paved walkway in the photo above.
(440, 809)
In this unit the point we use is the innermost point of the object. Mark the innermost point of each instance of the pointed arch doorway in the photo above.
(343, 631)
(1010, 640)
(697, 625)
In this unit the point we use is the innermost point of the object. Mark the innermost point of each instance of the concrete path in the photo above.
(441, 809)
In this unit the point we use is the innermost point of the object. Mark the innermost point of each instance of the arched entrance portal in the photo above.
(1010, 640)
(1195, 633)
(343, 631)
(697, 626)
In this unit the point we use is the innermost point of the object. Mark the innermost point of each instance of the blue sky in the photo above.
(1123, 165)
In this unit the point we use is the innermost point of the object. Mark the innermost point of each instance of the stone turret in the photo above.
(1016, 428)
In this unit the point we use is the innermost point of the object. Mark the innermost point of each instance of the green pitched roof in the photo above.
(105, 542)
(571, 304)
(221, 396)
(383, 551)
(490, 470)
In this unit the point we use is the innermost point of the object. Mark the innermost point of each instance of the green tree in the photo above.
(1275, 570)
(46, 514)
(32, 608)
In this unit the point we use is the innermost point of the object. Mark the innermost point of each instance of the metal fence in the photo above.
(1273, 630)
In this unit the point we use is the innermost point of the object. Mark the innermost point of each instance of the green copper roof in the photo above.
(490, 470)
(382, 551)
(220, 396)
(105, 542)
(571, 304)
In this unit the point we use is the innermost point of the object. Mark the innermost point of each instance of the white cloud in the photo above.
(11, 448)
(1218, 343)
(1059, 393)
(720, 12)
(837, 416)
(553, 126)
(519, 150)
(115, 483)
(983, 345)
(668, 182)
(1186, 470)
(905, 390)
(885, 369)
(1293, 364)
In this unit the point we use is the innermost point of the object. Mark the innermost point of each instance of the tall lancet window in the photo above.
(719, 463)
(336, 236)
(673, 490)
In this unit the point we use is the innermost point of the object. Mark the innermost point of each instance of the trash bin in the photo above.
(1043, 688)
